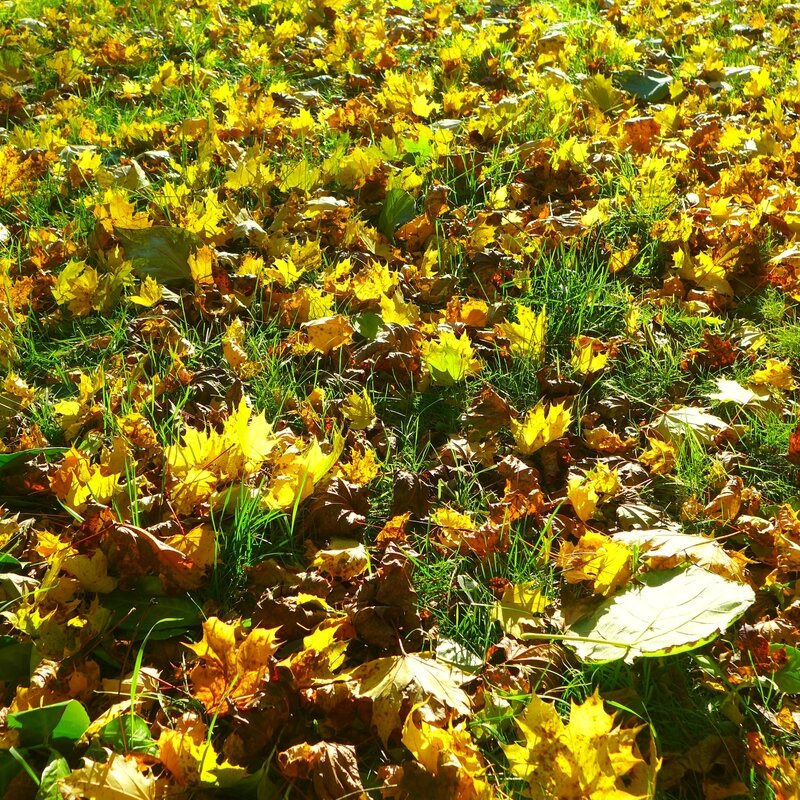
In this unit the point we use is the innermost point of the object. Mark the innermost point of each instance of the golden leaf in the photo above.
(328, 333)
(775, 375)
(596, 558)
(519, 605)
(453, 749)
(661, 457)
(590, 757)
(540, 427)
(587, 356)
(345, 559)
(358, 408)
(527, 336)
(231, 668)
(150, 293)
(190, 757)
(118, 778)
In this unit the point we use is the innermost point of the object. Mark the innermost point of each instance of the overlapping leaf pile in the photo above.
(399, 400)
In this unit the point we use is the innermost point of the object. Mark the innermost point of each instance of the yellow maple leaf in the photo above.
(328, 333)
(199, 545)
(590, 757)
(520, 604)
(359, 409)
(150, 293)
(232, 666)
(77, 481)
(587, 492)
(322, 654)
(775, 374)
(598, 559)
(661, 457)
(234, 352)
(284, 271)
(373, 282)
(540, 427)
(526, 336)
(117, 777)
(703, 270)
(191, 759)
(450, 358)
(76, 287)
(298, 470)
(587, 355)
(344, 559)
(201, 266)
(204, 459)
(363, 467)
(395, 309)
(448, 748)
(453, 526)
(408, 94)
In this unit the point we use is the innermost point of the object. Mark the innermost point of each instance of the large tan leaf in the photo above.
(118, 779)
(388, 680)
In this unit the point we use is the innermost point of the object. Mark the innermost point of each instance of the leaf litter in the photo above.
(399, 400)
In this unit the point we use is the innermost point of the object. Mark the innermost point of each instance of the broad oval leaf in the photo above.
(67, 720)
(161, 252)
(650, 85)
(670, 611)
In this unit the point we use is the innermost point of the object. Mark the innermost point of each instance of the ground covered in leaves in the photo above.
(400, 400)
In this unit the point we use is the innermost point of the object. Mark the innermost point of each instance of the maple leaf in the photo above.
(235, 353)
(150, 292)
(587, 355)
(775, 375)
(388, 680)
(345, 559)
(395, 309)
(333, 768)
(520, 604)
(231, 668)
(540, 427)
(448, 750)
(450, 358)
(588, 757)
(189, 756)
(598, 559)
(526, 336)
(328, 333)
(359, 409)
(117, 778)
(587, 492)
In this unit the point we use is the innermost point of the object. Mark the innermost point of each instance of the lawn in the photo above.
(399, 400)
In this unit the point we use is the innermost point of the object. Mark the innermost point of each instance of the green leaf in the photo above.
(10, 461)
(9, 767)
(787, 678)
(135, 614)
(161, 252)
(398, 208)
(669, 611)
(129, 733)
(650, 86)
(67, 720)
(8, 563)
(56, 769)
(368, 325)
(15, 660)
